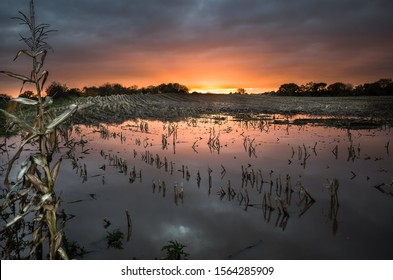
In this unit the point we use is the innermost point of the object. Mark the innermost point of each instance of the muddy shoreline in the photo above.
(336, 111)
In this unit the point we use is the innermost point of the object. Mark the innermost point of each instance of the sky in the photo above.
(206, 44)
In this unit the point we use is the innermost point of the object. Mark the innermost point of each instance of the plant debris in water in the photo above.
(114, 239)
(175, 250)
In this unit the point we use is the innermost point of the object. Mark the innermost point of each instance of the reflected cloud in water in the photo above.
(303, 192)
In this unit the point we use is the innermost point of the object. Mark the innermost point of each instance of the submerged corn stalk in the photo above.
(334, 204)
(31, 198)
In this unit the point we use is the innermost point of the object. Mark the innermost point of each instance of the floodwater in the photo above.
(229, 189)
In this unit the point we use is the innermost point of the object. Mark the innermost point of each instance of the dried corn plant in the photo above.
(30, 204)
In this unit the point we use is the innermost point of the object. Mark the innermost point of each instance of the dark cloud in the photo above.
(271, 37)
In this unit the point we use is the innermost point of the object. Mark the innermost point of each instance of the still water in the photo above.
(229, 189)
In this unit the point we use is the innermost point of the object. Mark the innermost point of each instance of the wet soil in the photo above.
(337, 111)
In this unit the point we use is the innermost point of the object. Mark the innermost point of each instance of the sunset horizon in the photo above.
(208, 46)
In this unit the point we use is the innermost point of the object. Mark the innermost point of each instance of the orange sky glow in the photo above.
(208, 46)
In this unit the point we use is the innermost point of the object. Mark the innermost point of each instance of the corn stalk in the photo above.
(33, 190)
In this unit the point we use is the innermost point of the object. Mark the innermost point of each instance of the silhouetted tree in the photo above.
(313, 88)
(385, 86)
(106, 89)
(57, 90)
(152, 90)
(90, 91)
(133, 89)
(384, 83)
(119, 89)
(359, 90)
(380, 87)
(320, 87)
(372, 89)
(74, 92)
(28, 94)
(288, 89)
(172, 88)
(340, 88)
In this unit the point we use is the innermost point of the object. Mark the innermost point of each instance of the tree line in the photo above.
(57, 90)
(381, 87)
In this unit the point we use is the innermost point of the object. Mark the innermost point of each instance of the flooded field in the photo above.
(227, 188)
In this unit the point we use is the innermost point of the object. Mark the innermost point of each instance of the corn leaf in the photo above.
(23, 84)
(36, 233)
(25, 165)
(60, 119)
(52, 140)
(18, 121)
(25, 101)
(51, 220)
(43, 52)
(17, 218)
(10, 165)
(55, 170)
(39, 160)
(43, 77)
(38, 67)
(40, 63)
(36, 244)
(46, 197)
(48, 207)
(26, 52)
(27, 208)
(58, 239)
(27, 139)
(26, 211)
(63, 254)
(18, 76)
(38, 218)
(38, 184)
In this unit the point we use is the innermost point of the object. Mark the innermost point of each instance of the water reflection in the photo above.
(262, 188)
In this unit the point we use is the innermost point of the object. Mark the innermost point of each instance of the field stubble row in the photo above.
(118, 108)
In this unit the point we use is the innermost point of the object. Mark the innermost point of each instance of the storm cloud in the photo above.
(249, 43)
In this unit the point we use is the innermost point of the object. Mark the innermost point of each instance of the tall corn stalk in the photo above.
(31, 196)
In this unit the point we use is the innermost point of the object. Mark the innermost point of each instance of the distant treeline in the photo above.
(58, 91)
(61, 91)
(380, 87)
